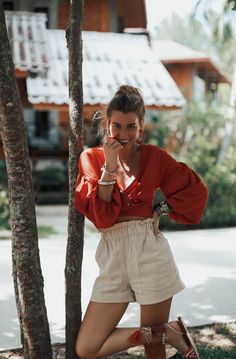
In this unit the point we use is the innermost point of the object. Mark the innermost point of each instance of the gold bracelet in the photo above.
(106, 183)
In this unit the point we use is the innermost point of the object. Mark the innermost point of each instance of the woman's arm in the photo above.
(107, 180)
(95, 207)
(184, 191)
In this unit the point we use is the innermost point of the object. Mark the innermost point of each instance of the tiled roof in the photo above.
(172, 50)
(27, 35)
(109, 60)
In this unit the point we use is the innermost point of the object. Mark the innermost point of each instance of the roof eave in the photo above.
(94, 107)
(222, 78)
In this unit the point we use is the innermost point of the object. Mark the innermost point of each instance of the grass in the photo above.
(214, 341)
(210, 353)
(43, 232)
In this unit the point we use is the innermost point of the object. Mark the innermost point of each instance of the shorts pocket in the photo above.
(101, 253)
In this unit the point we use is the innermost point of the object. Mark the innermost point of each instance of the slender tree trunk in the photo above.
(74, 253)
(28, 280)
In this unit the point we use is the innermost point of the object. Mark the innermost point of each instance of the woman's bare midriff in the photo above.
(128, 219)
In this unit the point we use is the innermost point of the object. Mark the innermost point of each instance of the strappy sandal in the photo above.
(192, 352)
(151, 335)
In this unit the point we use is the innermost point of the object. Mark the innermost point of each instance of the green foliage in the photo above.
(51, 179)
(45, 231)
(200, 31)
(159, 132)
(4, 210)
(4, 205)
(3, 174)
(221, 208)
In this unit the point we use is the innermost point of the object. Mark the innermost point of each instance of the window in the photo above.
(8, 5)
(44, 10)
(42, 124)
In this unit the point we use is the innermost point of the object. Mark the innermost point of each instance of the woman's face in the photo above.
(125, 127)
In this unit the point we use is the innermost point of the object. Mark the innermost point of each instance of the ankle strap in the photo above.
(172, 328)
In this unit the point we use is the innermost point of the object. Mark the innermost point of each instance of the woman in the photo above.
(115, 190)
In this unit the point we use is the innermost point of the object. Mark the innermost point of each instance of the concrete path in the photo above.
(206, 261)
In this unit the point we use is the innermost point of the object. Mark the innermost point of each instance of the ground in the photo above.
(216, 341)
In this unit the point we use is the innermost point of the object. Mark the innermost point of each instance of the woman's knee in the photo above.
(85, 351)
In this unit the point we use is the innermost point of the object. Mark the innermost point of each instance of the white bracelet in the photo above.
(106, 183)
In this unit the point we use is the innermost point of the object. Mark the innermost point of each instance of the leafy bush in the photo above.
(3, 174)
(51, 179)
(4, 205)
(4, 210)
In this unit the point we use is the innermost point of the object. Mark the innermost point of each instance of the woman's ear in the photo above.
(141, 124)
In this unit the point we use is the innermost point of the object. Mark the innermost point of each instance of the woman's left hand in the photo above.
(156, 219)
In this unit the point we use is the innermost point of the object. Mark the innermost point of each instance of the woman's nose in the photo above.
(123, 133)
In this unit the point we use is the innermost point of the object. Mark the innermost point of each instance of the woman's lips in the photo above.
(123, 142)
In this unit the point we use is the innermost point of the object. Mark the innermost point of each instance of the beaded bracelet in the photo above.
(106, 183)
(162, 208)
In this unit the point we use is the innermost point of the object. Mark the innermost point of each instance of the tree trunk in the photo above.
(28, 280)
(75, 243)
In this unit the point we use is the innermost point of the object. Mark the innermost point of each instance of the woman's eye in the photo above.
(116, 125)
(131, 125)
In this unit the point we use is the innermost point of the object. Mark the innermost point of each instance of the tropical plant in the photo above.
(207, 29)
(221, 16)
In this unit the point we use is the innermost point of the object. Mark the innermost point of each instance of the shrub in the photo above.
(4, 205)
(4, 210)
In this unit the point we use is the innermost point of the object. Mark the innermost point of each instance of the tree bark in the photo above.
(28, 280)
(75, 243)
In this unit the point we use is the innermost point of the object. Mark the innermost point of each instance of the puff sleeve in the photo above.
(184, 191)
(103, 214)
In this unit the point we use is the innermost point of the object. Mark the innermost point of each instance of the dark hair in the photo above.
(127, 99)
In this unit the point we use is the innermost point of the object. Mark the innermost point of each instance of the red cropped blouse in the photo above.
(183, 189)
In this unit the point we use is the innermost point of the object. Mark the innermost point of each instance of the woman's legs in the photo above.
(98, 335)
(152, 315)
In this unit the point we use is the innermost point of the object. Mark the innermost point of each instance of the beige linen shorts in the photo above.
(135, 265)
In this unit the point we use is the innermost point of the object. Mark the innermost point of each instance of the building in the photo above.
(40, 58)
(195, 73)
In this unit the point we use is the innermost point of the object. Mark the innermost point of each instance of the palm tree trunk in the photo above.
(28, 280)
(74, 253)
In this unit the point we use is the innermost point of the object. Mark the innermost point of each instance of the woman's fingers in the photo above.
(156, 219)
(112, 143)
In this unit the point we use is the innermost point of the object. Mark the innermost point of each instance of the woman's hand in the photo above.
(156, 219)
(111, 150)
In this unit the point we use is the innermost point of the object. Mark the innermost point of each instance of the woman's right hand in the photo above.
(111, 151)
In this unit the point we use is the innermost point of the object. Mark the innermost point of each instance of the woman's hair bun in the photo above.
(129, 90)
(127, 99)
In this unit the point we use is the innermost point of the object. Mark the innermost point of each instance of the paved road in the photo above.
(206, 261)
